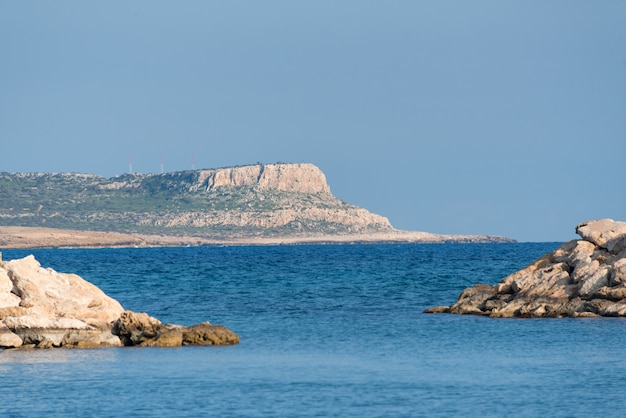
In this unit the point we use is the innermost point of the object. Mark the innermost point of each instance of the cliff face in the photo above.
(298, 178)
(255, 200)
(298, 219)
(295, 178)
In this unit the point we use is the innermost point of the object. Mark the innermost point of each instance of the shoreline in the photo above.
(18, 237)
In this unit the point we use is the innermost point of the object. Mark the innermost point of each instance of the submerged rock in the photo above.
(582, 278)
(42, 308)
(143, 330)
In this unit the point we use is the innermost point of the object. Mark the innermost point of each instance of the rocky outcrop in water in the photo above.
(143, 330)
(582, 278)
(42, 308)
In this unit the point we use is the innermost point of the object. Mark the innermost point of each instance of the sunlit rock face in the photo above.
(302, 178)
(582, 278)
(251, 200)
(42, 308)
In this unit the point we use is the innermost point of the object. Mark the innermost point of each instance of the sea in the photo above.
(326, 331)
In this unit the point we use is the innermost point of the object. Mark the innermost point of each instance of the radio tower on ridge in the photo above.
(162, 164)
(130, 163)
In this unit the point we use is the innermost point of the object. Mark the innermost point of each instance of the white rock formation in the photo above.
(581, 278)
(301, 178)
(42, 308)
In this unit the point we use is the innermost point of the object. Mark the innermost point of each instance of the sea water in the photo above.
(326, 330)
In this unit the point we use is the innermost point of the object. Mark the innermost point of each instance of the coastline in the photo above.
(17, 237)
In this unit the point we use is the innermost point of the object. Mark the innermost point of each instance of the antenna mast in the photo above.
(130, 163)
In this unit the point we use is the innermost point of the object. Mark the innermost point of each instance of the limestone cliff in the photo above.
(265, 202)
(254, 200)
(295, 178)
(298, 178)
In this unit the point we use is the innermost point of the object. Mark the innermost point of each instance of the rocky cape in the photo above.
(35, 237)
(255, 204)
(42, 308)
(581, 278)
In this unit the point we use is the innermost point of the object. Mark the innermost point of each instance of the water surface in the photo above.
(326, 330)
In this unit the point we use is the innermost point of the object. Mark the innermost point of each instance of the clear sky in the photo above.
(470, 117)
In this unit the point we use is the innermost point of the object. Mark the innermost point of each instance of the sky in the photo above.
(459, 117)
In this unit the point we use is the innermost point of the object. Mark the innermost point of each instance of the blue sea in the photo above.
(326, 331)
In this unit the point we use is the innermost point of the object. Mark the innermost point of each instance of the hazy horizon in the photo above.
(485, 117)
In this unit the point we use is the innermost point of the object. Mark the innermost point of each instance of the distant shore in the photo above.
(17, 237)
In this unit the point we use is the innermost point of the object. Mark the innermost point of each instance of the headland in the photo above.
(261, 204)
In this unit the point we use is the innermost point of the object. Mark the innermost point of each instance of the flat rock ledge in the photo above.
(582, 278)
(41, 308)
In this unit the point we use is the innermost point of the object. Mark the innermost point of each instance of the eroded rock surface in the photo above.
(143, 330)
(42, 308)
(582, 278)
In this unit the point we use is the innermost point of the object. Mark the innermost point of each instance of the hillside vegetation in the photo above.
(259, 200)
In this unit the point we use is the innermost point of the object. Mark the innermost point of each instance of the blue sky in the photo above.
(470, 117)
